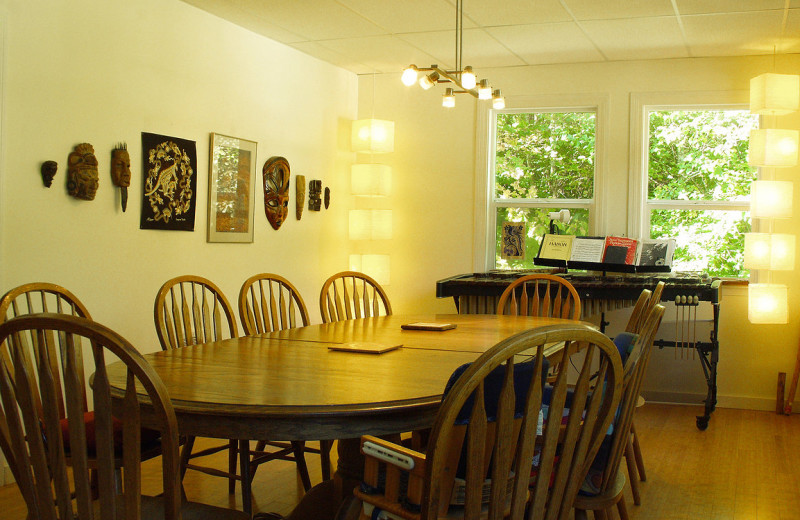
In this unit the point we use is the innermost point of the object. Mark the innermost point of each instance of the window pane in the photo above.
(700, 155)
(710, 241)
(545, 155)
(538, 224)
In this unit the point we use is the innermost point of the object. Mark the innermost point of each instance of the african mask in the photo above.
(300, 195)
(276, 190)
(314, 193)
(121, 171)
(327, 197)
(49, 169)
(82, 178)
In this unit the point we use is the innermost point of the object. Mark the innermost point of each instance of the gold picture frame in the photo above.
(231, 189)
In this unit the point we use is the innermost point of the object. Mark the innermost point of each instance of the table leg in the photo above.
(244, 471)
(323, 500)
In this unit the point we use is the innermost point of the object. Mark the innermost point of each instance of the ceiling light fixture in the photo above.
(463, 77)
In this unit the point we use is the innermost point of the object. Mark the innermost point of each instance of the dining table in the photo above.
(296, 384)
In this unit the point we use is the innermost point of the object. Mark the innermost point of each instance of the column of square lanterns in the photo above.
(372, 136)
(771, 95)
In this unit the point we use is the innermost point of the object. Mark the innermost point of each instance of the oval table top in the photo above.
(290, 385)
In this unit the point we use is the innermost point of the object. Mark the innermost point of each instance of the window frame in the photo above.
(487, 204)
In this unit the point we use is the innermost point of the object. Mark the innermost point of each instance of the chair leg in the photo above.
(244, 466)
(232, 449)
(580, 514)
(186, 452)
(600, 514)
(622, 509)
(634, 482)
(637, 451)
(325, 458)
(298, 448)
(260, 445)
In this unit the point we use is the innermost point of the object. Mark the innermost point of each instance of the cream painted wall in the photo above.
(105, 71)
(436, 195)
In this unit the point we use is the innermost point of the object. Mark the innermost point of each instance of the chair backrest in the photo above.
(540, 295)
(634, 375)
(636, 319)
(191, 309)
(269, 302)
(349, 295)
(34, 435)
(565, 448)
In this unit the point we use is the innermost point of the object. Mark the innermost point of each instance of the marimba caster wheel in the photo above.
(702, 422)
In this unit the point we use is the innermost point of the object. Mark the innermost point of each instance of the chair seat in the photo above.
(151, 439)
(605, 500)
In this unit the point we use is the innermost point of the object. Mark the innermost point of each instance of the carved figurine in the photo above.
(82, 178)
(314, 192)
(49, 169)
(276, 190)
(327, 198)
(121, 171)
(300, 195)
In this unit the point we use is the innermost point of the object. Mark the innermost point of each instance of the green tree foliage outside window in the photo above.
(542, 155)
(701, 155)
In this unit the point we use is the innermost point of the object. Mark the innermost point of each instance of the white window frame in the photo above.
(486, 204)
(641, 105)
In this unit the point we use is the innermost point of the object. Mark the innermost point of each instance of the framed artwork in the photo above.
(513, 241)
(231, 189)
(169, 167)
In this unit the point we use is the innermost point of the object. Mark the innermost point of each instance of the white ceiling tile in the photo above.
(608, 9)
(637, 39)
(514, 12)
(547, 43)
(480, 49)
(733, 34)
(414, 16)
(726, 6)
(380, 53)
(321, 52)
(791, 38)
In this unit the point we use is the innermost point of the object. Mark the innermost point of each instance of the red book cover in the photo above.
(620, 250)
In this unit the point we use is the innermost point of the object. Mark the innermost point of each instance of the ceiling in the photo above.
(378, 36)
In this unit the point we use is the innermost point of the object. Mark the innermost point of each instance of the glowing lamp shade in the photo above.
(774, 147)
(376, 266)
(767, 303)
(771, 199)
(370, 224)
(373, 135)
(775, 252)
(774, 94)
(409, 76)
(371, 180)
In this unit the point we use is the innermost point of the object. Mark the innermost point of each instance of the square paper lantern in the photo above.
(773, 251)
(371, 180)
(372, 136)
(773, 147)
(771, 199)
(774, 94)
(767, 303)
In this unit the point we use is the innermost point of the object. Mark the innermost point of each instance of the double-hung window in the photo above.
(694, 182)
(540, 161)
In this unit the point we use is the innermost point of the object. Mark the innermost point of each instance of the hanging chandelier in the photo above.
(463, 78)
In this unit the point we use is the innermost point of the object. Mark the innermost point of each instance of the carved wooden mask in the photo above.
(276, 190)
(82, 178)
(300, 195)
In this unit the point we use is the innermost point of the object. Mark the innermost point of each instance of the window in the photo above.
(698, 185)
(540, 161)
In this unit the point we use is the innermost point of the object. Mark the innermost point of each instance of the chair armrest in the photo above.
(397, 460)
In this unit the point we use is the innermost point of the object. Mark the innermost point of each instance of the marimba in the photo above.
(480, 292)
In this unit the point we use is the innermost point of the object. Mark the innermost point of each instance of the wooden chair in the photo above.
(38, 297)
(190, 310)
(610, 490)
(269, 302)
(633, 452)
(540, 295)
(349, 295)
(34, 435)
(496, 440)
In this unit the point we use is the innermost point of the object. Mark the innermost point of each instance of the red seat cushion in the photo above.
(149, 437)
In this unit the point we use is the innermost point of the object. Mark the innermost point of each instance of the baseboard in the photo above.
(726, 401)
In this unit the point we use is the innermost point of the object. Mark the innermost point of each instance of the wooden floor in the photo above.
(746, 466)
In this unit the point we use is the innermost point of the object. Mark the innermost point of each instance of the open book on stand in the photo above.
(656, 252)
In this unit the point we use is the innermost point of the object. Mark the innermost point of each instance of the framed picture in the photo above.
(169, 167)
(231, 189)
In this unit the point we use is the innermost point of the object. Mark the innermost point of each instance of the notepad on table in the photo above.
(421, 325)
(365, 347)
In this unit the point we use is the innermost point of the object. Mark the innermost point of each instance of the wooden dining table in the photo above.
(292, 385)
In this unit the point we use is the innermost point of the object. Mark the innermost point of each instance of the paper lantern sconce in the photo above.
(372, 136)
